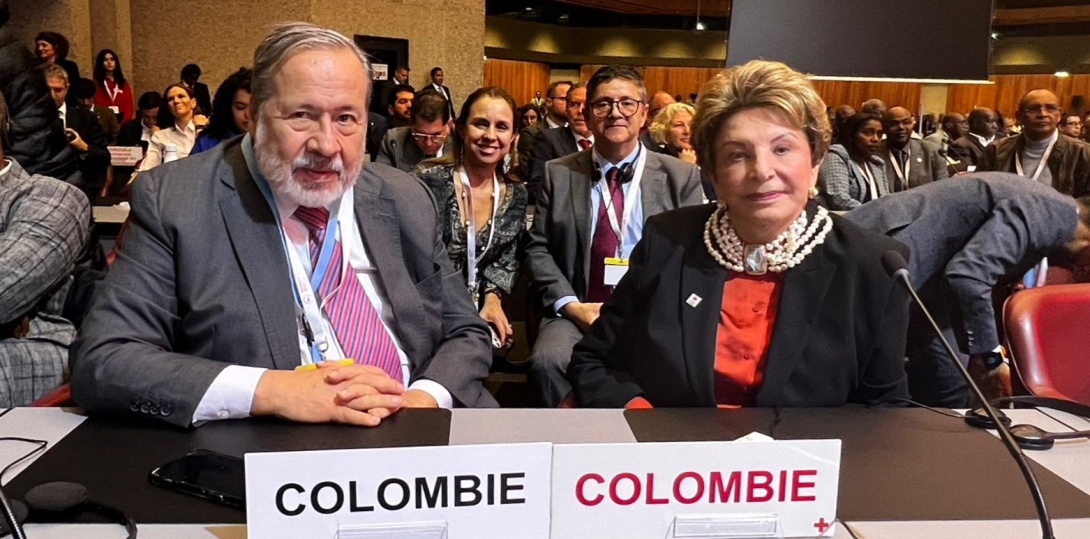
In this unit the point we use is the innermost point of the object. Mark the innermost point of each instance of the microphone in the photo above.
(896, 267)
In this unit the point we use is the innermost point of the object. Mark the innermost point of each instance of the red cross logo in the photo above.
(821, 525)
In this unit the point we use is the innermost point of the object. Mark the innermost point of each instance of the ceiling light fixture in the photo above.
(1063, 74)
(699, 25)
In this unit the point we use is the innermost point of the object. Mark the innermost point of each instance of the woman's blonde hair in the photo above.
(759, 84)
(661, 123)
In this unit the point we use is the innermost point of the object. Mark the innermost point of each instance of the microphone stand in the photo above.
(1004, 433)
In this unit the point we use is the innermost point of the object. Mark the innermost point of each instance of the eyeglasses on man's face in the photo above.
(424, 137)
(1037, 109)
(627, 107)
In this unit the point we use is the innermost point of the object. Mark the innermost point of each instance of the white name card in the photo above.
(125, 156)
(470, 491)
(696, 489)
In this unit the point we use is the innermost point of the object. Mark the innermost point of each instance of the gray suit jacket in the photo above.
(202, 283)
(926, 165)
(398, 149)
(976, 231)
(560, 236)
(550, 144)
(43, 226)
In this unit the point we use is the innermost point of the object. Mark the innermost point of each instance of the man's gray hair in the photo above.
(55, 71)
(287, 40)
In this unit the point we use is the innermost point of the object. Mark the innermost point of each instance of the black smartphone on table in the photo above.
(204, 474)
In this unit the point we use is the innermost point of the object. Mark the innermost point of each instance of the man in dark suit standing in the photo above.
(228, 298)
(426, 136)
(191, 75)
(556, 115)
(437, 83)
(590, 214)
(965, 237)
(555, 143)
(1040, 152)
(983, 126)
(909, 162)
(85, 135)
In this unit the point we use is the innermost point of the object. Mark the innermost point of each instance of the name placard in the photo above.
(125, 156)
(477, 491)
(380, 71)
(721, 489)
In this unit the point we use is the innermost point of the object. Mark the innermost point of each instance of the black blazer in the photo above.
(550, 144)
(839, 335)
(204, 99)
(95, 161)
(967, 149)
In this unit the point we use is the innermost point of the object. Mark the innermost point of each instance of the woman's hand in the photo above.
(493, 313)
(688, 155)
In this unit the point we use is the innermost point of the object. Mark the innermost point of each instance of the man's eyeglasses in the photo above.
(1036, 109)
(424, 137)
(627, 107)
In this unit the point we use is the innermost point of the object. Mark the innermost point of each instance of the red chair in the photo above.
(1048, 336)
(62, 396)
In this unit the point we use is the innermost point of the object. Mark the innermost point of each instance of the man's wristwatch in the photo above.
(993, 359)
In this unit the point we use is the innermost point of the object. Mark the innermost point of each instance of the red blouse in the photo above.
(746, 319)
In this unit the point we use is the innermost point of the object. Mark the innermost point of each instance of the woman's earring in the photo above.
(813, 192)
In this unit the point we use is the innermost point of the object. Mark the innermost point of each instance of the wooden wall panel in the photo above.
(1009, 89)
(520, 79)
(854, 93)
(672, 80)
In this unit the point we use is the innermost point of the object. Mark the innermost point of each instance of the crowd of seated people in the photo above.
(724, 251)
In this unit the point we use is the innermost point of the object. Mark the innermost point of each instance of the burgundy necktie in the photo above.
(584, 143)
(605, 243)
(354, 319)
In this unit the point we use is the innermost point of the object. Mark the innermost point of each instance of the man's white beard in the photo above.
(281, 174)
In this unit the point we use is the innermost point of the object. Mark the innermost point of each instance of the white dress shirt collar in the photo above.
(983, 141)
(7, 168)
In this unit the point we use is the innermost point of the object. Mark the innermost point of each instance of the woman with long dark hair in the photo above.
(230, 111)
(111, 89)
(481, 208)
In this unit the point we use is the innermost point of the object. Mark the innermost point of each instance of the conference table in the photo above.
(905, 472)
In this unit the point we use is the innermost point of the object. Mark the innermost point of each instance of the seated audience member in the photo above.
(1071, 125)
(376, 131)
(840, 117)
(983, 127)
(475, 195)
(909, 162)
(53, 49)
(764, 299)
(425, 137)
(658, 102)
(876, 107)
(85, 97)
(852, 172)
(178, 125)
(556, 115)
(571, 250)
(399, 106)
(230, 112)
(672, 129)
(1008, 127)
(43, 228)
(1085, 136)
(555, 143)
(198, 91)
(966, 236)
(381, 92)
(526, 117)
(954, 127)
(112, 90)
(198, 318)
(1040, 152)
(84, 133)
(136, 132)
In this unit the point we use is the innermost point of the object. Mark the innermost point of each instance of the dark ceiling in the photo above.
(714, 14)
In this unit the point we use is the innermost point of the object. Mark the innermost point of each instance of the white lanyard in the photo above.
(472, 258)
(1044, 158)
(897, 167)
(113, 93)
(630, 200)
(865, 169)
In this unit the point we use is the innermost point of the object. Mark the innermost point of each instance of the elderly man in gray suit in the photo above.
(590, 214)
(43, 227)
(425, 137)
(966, 236)
(251, 272)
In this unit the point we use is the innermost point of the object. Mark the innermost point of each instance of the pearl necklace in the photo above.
(781, 254)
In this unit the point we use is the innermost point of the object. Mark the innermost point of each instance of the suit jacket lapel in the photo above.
(704, 278)
(255, 237)
(378, 227)
(582, 179)
(804, 289)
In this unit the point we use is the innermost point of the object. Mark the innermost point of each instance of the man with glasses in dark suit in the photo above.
(590, 214)
(425, 137)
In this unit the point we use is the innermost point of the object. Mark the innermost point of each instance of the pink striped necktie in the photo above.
(354, 319)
